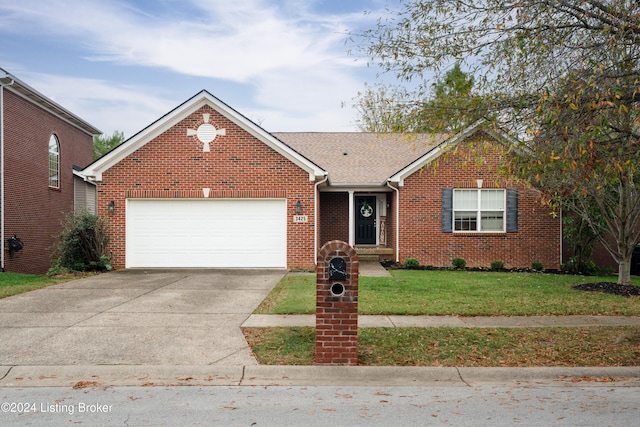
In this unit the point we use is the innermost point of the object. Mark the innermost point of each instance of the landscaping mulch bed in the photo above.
(393, 265)
(609, 288)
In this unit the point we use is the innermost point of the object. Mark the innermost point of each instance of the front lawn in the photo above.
(473, 347)
(462, 293)
(16, 283)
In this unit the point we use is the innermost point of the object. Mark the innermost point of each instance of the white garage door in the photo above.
(207, 233)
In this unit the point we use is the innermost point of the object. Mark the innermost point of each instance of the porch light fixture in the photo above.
(479, 183)
(111, 207)
(298, 207)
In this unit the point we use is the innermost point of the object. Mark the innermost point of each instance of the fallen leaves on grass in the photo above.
(469, 347)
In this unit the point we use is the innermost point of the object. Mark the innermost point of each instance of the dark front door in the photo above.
(365, 220)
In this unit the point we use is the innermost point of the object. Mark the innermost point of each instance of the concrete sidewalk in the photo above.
(275, 320)
(372, 269)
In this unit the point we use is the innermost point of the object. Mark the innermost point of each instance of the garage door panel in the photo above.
(206, 233)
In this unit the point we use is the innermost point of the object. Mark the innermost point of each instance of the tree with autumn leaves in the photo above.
(561, 75)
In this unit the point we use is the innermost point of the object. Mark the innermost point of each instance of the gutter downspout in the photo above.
(316, 196)
(397, 249)
(2, 170)
(561, 239)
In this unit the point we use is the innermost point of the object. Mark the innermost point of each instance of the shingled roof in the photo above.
(360, 158)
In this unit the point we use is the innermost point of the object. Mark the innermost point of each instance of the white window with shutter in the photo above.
(479, 210)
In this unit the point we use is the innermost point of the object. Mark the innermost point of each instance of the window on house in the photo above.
(479, 210)
(54, 162)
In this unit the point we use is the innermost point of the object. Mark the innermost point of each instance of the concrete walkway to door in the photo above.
(135, 317)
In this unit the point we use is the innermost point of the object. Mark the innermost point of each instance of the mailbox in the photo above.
(337, 268)
(337, 305)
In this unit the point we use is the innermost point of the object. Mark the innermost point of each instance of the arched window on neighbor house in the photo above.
(54, 162)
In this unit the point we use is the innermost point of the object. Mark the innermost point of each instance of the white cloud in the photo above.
(237, 40)
(102, 103)
(302, 101)
(295, 60)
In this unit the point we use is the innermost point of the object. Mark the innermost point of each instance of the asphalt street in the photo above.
(526, 404)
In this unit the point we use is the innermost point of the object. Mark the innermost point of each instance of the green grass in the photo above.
(282, 346)
(294, 294)
(15, 283)
(472, 347)
(463, 293)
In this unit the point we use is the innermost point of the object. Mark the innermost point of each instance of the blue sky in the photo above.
(122, 64)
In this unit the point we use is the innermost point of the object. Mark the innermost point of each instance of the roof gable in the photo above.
(95, 170)
(479, 126)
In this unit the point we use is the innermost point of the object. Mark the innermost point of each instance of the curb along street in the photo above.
(102, 376)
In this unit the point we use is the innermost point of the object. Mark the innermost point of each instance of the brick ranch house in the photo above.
(40, 145)
(203, 186)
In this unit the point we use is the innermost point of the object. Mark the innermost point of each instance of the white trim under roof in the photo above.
(23, 90)
(95, 170)
(343, 188)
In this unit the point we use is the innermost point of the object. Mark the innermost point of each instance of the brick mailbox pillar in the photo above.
(337, 305)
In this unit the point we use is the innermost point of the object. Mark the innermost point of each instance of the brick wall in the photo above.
(238, 165)
(336, 312)
(33, 211)
(421, 235)
(334, 217)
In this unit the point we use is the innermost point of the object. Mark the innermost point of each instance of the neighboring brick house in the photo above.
(40, 144)
(205, 187)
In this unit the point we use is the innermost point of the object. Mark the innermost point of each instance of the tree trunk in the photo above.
(624, 271)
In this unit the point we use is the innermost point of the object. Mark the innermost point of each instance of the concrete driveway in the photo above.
(135, 317)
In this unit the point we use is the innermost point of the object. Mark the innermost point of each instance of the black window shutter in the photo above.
(512, 210)
(447, 210)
